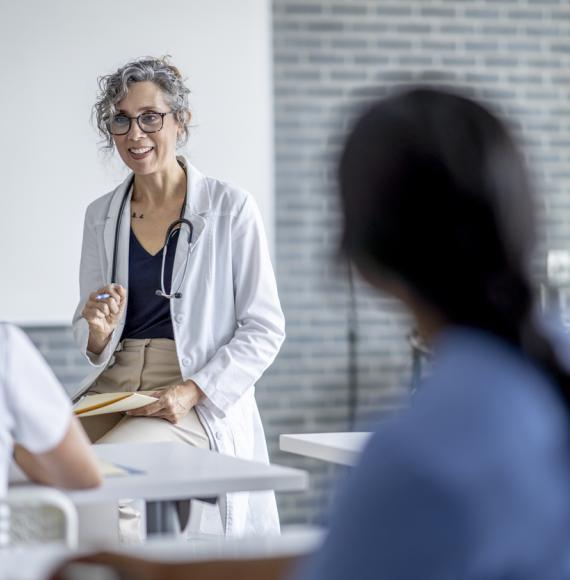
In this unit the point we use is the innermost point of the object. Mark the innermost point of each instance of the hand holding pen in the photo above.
(103, 311)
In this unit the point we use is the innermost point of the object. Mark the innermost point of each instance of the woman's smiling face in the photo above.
(147, 153)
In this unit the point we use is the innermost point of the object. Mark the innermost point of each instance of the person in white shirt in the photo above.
(36, 422)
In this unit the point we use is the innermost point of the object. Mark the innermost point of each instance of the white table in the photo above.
(342, 448)
(173, 471)
(177, 471)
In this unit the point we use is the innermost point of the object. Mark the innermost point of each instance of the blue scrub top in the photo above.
(472, 482)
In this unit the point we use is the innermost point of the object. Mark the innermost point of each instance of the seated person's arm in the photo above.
(50, 445)
(70, 464)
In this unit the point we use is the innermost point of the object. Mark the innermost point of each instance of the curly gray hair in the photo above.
(114, 87)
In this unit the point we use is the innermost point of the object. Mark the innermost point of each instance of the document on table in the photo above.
(109, 469)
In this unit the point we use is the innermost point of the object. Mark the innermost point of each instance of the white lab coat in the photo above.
(228, 324)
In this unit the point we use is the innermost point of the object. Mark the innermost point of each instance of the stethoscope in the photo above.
(172, 228)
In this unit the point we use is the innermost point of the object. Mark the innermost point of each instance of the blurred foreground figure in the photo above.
(473, 481)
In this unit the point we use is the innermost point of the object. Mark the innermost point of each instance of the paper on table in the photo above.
(100, 404)
(109, 469)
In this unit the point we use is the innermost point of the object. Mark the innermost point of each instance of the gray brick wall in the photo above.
(331, 56)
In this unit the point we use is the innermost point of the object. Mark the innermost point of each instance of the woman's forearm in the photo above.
(71, 464)
(96, 342)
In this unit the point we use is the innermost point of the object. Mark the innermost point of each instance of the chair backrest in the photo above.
(37, 515)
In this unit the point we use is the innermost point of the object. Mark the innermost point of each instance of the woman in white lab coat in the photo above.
(203, 341)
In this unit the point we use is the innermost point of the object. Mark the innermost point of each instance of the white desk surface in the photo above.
(342, 448)
(176, 471)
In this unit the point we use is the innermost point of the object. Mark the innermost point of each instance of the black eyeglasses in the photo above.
(149, 122)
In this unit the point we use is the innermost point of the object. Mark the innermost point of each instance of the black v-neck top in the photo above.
(148, 315)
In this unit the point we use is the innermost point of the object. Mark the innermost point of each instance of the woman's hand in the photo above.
(103, 315)
(172, 403)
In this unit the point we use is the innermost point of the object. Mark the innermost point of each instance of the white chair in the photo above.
(37, 515)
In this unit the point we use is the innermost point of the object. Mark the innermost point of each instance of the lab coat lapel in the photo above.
(124, 234)
(195, 211)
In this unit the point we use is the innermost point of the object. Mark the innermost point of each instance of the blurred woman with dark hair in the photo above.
(473, 480)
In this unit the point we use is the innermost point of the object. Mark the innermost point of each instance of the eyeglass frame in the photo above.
(162, 115)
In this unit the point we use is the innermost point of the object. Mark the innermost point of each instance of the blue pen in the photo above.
(102, 296)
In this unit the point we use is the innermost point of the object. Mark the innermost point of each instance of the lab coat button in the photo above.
(185, 361)
(218, 435)
(179, 318)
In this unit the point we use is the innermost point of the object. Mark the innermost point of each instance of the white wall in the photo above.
(51, 53)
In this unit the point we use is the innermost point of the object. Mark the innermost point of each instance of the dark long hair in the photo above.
(435, 192)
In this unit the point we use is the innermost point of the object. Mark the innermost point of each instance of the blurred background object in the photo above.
(555, 288)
